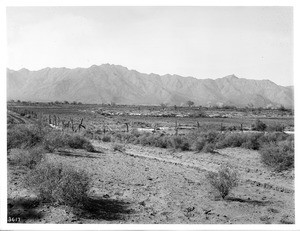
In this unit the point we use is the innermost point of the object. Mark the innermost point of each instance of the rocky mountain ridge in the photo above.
(114, 83)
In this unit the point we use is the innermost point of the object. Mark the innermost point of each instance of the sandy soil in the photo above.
(153, 185)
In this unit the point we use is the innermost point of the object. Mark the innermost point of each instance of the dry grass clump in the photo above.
(59, 184)
(180, 142)
(23, 136)
(278, 157)
(29, 158)
(58, 139)
(199, 144)
(224, 180)
(258, 125)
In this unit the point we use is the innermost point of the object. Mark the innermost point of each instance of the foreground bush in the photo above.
(279, 156)
(29, 158)
(59, 184)
(223, 181)
(23, 136)
(57, 139)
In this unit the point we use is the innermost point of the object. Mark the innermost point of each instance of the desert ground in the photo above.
(150, 185)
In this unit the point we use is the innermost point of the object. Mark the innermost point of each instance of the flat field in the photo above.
(151, 185)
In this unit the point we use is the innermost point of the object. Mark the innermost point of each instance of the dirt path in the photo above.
(152, 185)
(17, 118)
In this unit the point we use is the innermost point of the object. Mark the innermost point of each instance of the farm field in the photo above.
(142, 184)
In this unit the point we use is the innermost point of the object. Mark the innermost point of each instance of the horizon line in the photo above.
(162, 75)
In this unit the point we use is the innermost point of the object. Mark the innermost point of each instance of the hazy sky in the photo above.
(203, 42)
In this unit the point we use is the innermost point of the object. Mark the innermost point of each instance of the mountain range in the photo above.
(114, 83)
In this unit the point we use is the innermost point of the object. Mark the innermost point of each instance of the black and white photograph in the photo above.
(149, 114)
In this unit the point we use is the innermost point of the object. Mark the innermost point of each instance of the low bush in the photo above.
(88, 147)
(180, 142)
(59, 184)
(252, 141)
(106, 138)
(209, 147)
(29, 158)
(274, 137)
(277, 127)
(231, 140)
(75, 141)
(211, 136)
(224, 180)
(23, 136)
(279, 156)
(54, 140)
(199, 144)
(118, 147)
(57, 139)
(258, 125)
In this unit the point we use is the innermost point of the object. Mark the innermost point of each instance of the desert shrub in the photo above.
(224, 180)
(23, 136)
(199, 144)
(279, 156)
(143, 139)
(209, 147)
(258, 125)
(273, 137)
(231, 140)
(252, 141)
(180, 142)
(106, 138)
(88, 133)
(162, 141)
(28, 158)
(54, 140)
(211, 136)
(118, 147)
(59, 184)
(88, 147)
(277, 127)
(75, 141)
(57, 139)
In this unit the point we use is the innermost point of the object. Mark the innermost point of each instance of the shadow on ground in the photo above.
(249, 201)
(76, 154)
(104, 209)
(22, 209)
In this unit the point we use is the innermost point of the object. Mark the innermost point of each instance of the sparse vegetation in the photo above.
(29, 158)
(258, 125)
(59, 184)
(118, 147)
(278, 156)
(57, 179)
(224, 180)
(23, 136)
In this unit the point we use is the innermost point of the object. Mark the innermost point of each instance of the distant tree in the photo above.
(175, 107)
(190, 103)
(74, 102)
(56, 102)
(79, 103)
(66, 102)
